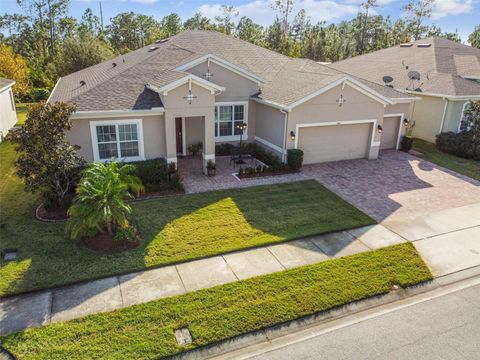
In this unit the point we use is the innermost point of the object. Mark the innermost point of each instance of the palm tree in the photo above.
(99, 205)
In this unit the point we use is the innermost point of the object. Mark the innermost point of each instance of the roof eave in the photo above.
(8, 86)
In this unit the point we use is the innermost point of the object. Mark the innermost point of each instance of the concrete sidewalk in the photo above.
(65, 303)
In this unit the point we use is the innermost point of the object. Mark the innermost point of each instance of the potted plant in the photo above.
(211, 168)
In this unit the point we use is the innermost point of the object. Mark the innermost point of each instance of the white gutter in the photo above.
(444, 113)
(449, 97)
(269, 103)
(285, 137)
(116, 113)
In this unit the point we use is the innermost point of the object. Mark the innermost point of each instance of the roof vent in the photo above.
(161, 41)
(406, 45)
(82, 83)
(153, 48)
(424, 45)
(114, 64)
(387, 79)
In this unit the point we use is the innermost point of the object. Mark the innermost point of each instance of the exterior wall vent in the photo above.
(424, 45)
(406, 45)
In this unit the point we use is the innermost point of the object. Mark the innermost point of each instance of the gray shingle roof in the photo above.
(123, 86)
(441, 66)
(5, 82)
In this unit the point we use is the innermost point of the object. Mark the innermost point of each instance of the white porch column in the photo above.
(208, 138)
(170, 138)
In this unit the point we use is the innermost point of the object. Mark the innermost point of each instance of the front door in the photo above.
(179, 135)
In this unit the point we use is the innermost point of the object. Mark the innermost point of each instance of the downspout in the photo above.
(444, 113)
(285, 129)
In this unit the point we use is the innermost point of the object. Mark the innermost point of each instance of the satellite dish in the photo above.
(418, 90)
(414, 75)
(387, 79)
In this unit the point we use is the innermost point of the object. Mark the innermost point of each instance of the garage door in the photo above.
(332, 143)
(390, 132)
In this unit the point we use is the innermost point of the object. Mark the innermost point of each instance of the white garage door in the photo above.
(336, 142)
(390, 132)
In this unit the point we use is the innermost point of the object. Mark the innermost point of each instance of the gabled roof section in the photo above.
(186, 78)
(5, 83)
(130, 81)
(445, 67)
(224, 63)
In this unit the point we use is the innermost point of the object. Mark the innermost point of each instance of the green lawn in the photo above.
(146, 331)
(468, 167)
(21, 112)
(174, 229)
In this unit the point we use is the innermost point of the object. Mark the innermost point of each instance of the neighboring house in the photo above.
(199, 85)
(449, 79)
(8, 115)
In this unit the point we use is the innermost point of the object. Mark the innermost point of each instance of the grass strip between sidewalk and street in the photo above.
(146, 331)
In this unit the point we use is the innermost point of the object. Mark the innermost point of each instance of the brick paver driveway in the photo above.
(396, 186)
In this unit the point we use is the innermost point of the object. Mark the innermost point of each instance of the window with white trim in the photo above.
(466, 119)
(119, 140)
(227, 118)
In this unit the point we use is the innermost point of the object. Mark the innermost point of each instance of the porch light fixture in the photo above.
(406, 122)
(292, 135)
(380, 129)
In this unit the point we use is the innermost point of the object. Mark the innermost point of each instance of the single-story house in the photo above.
(200, 85)
(8, 114)
(444, 74)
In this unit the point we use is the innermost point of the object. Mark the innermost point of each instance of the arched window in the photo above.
(466, 120)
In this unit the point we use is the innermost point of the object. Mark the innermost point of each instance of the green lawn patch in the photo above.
(146, 331)
(468, 167)
(21, 112)
(174, 229)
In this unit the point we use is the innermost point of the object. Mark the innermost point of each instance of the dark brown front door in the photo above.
(179, 137)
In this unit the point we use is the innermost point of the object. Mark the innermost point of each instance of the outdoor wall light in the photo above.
(406, 122)
(292, 135)
(380, 129)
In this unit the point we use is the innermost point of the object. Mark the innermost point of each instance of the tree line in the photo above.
(43, 42)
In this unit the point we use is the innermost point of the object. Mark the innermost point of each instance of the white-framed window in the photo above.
(227, 117)
(118, 139)
(465, 120)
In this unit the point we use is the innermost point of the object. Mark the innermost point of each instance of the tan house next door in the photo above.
(389, 138)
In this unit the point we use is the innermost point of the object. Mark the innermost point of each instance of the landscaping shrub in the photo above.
(294, 159)
(263, 155)
(157, 175)
(460, 144)
(224, 149)
(406, 143)
(38, 94)
(195, 149)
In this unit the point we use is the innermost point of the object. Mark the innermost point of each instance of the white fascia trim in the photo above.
(93, 134)
(333, 123)
(53, 90)
(190, 77)
(352, 83)
(270, 145)
(399, 136)
(269, 103)
(7, 87)
(449, 97)
(224, 63)
(406, 100)
(470, 77)
(116, 113)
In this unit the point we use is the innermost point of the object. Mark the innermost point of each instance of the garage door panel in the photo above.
(336, 142)
(390, 133)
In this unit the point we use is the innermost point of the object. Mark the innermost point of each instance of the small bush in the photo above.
(195, 149)
(224, 149)
(294, 159)
(460, 144)
(38, 94)
(406, 143)
(154, 171)
(263, 155)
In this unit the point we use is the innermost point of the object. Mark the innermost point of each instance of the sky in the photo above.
(450, 15)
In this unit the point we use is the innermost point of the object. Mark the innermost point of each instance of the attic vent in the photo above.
(153, 48)
(406, 45)
(82, 83)
(161, 41)
(423, 45)
(114, 64)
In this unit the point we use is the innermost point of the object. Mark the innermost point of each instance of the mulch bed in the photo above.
(54, 215)
(106, 243)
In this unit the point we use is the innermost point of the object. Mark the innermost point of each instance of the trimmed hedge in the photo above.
(460, 144)
(156, 175)
(294, 159)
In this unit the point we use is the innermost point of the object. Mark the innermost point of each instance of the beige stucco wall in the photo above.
(270, 124)
(323, 108)
(238, 88)
(8, 116)
(153, 135)
(427, 115)
(193, 130)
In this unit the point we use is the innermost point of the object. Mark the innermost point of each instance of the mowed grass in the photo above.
(21, 112)
(146, 331)
(174, 229)
(468, 167)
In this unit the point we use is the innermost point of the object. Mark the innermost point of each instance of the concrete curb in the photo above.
(276, 331)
